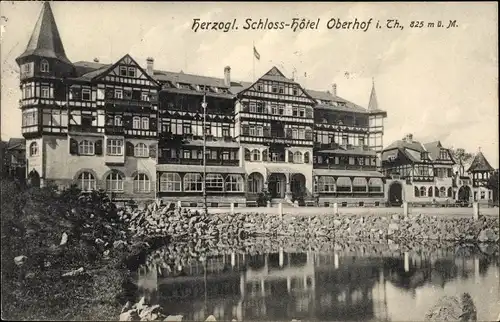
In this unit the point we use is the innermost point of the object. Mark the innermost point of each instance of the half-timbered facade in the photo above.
(181, 140)
(345, 157)
(139, 132)
(472, 179)
(274, 126)
(94, 126)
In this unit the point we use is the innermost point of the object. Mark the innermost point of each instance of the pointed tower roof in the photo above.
(480, 163)
(373, 104)
(45, 40)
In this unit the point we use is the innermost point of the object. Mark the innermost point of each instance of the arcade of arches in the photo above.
(279, 185)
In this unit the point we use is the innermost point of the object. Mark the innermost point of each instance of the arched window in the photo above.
(430, 191)
(359, 184)
(297, 157)
(145, 123)
(423, 191)
(375, 184)
(136, 122)
(170, 182)
(255, 155)
(114, 182)
(86, 147)
(214, 182)
(326, 184)
(442, 192)
(142, 183)
(247, 155)
(86, 181)
(34, 149)
(343, 184)
(193, 182)
(306, 157)
(44, 66)
(416, 192)
(450, 192)
(255, 182)
(234, 182)
(141, 150)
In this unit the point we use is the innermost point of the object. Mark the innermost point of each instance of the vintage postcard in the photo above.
(281, 161)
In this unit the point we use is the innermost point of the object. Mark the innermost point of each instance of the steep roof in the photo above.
(480, 164)
(89, 70)
(16, 143)
(434, 149)
(45, 40)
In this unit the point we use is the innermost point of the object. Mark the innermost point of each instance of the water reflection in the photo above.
(310, 285)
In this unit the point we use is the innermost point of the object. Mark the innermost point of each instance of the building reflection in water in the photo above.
(289, 285)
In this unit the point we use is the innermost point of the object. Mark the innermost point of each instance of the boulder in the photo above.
(64, 239)
(131, 315)
(20, 260)
(174, 318)
(74, 272)
(211, 318)
(453, 308)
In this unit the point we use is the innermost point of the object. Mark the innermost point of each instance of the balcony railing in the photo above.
(231, 163)
(82, 128)
(345, 167)
(114, 130)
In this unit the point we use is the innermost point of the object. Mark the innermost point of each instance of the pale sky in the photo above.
(439, 84)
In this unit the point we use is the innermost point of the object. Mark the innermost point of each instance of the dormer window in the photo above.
(294, 91)
(86, 94)
(123, 70)
(184, 86)
(44, 66)
(131, 72)
(443, 154)
(424, 155)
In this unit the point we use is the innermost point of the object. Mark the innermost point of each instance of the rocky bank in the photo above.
(182, 224)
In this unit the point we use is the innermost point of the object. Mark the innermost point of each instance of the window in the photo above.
(136, 122)
(170, 182)
(141, 150)
(187, 154)
(423, 191)
(234, 183)
(306, 157)
(28, 91)
(225, 155)
(145, 123)
(118, 94)
(302, 112)
(295, 92)
(295, 111)
(297, 157)
(483, 194)
(123, 70)
(142, 183)
(274, 89)
(86, 94)
(114, 182)
(145, 97)
(131, 72)
(259, 88)
(34, 149)
(26, 68)
(282, 90)
(114, 147)
(442, 192)
(118, 120)
(443, 154)
(86, 147)
(86, 181)
(326, 184)
(193, 182)
(255, 155)
(214, 182)
(44, 66)
(45, 92)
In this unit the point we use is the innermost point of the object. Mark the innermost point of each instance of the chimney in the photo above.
(96, 60)
(149, 67)
(334, 90)
(409, 138)
(227, 76)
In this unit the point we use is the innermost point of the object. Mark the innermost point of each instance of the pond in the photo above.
(311, 283)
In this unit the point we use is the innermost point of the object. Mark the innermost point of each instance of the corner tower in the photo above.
(376, 125)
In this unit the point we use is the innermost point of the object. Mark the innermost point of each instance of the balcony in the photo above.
(346, 167)
(210, 162)
(73, 128)
(114, 130)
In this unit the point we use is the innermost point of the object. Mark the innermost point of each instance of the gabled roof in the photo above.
(191, 79)
(434, 149)
(16, 143)
(336, 103)
(480, 164)
(45, 40)
(403, 144)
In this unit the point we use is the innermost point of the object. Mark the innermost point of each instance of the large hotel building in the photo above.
(140, 133)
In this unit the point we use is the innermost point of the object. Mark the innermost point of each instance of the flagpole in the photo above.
(253, 59)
